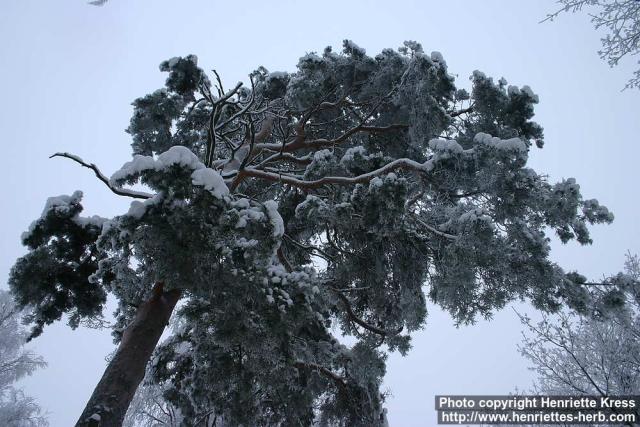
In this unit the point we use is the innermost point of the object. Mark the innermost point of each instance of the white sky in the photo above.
(70, 71)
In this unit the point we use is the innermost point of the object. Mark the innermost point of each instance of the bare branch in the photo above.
(460, 112)
(119, 191)
(354, 317)
(310, 248)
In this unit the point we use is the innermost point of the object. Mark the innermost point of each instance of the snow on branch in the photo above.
(300, 143)
(435, 230)
(341, 180)
(325, 371)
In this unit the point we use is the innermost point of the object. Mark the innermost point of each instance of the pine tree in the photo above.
(343, 195)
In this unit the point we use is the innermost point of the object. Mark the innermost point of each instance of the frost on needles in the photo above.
(336, 199)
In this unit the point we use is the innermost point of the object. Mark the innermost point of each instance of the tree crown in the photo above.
(334, 195)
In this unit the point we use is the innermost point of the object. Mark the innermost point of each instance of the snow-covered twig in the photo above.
(344, 180)
(327, 372)
(435, 230)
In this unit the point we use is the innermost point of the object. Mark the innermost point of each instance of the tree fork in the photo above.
(111, 398)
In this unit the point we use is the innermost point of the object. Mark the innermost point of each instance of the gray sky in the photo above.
(70, 71)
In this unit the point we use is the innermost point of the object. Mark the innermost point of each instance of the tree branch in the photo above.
(460, 112)
(327, 372)
(300, 143)
(354, 317)
(343, 180)
(119, 191)
(435, 230)
(309, 248)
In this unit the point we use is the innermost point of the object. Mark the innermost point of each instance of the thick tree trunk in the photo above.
(111, 398)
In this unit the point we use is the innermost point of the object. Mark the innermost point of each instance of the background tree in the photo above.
(16, 409)
(149, 408)
(596, 354)
(621, 20)
(407, 187)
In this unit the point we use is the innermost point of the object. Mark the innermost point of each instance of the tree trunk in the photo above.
(111, 398)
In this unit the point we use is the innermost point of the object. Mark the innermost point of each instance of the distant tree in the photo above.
(593, 353)
(621, 20)
(16, 409)
(400, 182)
(149, 408)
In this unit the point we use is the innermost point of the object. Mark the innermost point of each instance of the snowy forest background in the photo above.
(73, 69)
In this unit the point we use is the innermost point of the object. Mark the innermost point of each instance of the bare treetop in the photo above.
(621, 21)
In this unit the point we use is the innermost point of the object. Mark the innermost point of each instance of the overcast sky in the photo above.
(70, 71)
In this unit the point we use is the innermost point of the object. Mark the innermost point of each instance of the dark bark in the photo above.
(111, 398)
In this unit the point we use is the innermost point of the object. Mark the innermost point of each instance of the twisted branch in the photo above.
(119, 191)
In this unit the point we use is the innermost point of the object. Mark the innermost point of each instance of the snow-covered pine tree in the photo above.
(344, 194)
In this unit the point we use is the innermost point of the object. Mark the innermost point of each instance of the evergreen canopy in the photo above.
(344, 194)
